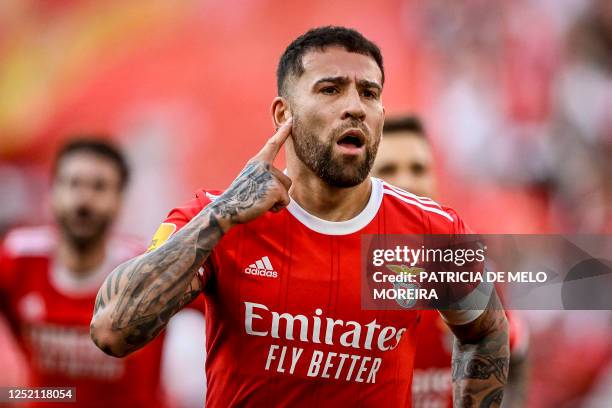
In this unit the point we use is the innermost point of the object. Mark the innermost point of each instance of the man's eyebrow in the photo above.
(369, 84)
(339, 80)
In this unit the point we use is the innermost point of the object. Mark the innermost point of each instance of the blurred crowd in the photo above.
(522, 103)
(517, 96)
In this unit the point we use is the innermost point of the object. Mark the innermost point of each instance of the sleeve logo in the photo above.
(163, 233)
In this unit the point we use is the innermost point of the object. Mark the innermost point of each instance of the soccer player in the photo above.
(277, 257)
(49, 277)
(405, 159)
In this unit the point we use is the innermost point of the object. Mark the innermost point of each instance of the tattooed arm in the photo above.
(480, 359)
(140, 296)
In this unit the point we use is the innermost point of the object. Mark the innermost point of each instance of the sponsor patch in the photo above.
(163, 233)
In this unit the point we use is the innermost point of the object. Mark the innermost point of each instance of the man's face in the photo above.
(86, 197)
(337, 114)
(406, 161)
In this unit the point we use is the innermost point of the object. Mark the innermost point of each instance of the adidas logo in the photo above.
(262, 267)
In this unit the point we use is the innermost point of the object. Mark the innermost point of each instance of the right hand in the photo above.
(260, 187)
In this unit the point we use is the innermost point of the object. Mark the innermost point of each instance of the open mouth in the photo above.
(351, 140)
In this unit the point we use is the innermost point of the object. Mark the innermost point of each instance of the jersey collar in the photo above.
(341, 227)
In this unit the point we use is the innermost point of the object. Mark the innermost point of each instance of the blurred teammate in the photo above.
(49, 277)
(405, 159)
(281, 275)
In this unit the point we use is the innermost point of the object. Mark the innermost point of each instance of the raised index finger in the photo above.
(274, 144)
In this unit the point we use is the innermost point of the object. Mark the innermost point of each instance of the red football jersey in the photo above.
(283, 309)
(432, 385)
(50, 311)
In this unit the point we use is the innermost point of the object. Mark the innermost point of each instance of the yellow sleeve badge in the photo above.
(163, 233)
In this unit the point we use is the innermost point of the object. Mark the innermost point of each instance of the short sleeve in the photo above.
(179, 217)
(459, 226)
(474, 296)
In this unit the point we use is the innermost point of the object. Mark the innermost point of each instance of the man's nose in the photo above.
(84, 194)
(354, 106)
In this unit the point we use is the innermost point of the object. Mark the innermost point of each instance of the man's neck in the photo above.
(324, 201)
(81, 262)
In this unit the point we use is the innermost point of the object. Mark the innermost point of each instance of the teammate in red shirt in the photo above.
(405, 159)
(277, 257)
(49, 277)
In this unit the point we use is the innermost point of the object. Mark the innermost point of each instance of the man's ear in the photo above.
(280, 111)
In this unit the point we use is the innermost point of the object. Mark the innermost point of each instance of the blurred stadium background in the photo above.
(517, 96)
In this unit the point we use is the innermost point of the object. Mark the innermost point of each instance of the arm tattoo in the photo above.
(160, 283)
(105, 294)
(147, 291)
(250, 186)
(480, 359)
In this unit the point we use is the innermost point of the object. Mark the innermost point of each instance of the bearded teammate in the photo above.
(277, 257)
(405, 159)
(49, 277)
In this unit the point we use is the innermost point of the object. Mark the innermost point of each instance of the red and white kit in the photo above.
(49, 311)
(283, 309)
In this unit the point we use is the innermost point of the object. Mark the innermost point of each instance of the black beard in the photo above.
(318, 157)
(83, 243)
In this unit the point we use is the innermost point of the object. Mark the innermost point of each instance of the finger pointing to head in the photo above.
(274, 144)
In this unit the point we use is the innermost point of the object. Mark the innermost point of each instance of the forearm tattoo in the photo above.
(480, 361)
(155, 286)
(150, 289)
(251, 186)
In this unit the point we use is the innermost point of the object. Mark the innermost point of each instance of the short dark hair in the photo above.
(319, 38)
(404, 123)
(99, 147)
